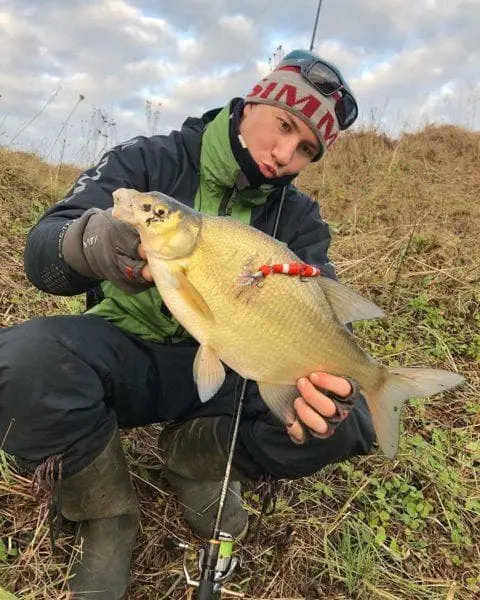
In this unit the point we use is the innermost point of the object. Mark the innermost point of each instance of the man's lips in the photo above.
(267, 170)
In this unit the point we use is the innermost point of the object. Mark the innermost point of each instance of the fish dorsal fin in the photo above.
(347, 304)
(208, 372)
(192, 296)
(279, 399)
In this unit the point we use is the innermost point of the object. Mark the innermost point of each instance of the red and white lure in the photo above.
(293, 268)
(250, 278)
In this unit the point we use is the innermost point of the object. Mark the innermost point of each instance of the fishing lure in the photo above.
(250, 277)
(292, 268)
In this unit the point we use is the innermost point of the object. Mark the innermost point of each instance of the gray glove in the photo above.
(98, 246)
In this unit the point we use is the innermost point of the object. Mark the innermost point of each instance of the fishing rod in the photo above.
(315, 25)
(216, 560)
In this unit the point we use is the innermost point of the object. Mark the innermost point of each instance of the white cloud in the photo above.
(404, 59)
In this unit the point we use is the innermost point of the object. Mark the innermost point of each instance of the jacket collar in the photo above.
(192, 131)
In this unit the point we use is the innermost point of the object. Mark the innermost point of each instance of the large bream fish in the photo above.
(272, 331)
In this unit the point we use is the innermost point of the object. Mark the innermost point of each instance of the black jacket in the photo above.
(169, 164)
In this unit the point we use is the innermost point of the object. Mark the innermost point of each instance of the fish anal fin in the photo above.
(279, 399)
(208, 372)
(347, 304)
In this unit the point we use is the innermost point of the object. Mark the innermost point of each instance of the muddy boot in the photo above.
(101, 498)
(194, 467)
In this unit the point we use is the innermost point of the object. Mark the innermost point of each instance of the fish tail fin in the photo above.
(400, 384)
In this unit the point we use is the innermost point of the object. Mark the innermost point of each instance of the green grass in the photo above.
(405, 220)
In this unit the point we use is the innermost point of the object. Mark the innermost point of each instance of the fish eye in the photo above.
(158, 211)
(146, 207)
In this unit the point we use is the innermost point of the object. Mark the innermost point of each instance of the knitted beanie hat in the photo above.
(286, 88)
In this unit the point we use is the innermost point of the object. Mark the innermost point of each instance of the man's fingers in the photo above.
(296, 432)
(146, 274)
(321, 403)
(338, 385)
(310, 417)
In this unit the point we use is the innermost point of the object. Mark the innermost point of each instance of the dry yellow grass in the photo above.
(405, 219)
(27, 187)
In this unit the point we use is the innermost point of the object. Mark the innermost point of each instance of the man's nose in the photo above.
(284, 151)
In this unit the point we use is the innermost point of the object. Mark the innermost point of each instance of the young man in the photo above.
(68, 383)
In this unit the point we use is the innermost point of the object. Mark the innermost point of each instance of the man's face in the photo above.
(279, 142)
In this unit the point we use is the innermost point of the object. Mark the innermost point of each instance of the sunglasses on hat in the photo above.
(328, 81)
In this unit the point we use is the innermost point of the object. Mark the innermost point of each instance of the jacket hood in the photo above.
(192, 130)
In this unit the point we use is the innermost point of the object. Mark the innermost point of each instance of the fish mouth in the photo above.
(123, 205)
(123, 195)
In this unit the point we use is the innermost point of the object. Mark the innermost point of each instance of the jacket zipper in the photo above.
(225, 208)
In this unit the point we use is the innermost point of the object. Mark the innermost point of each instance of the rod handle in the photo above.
(206, 590)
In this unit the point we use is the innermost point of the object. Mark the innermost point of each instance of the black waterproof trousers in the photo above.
(66, 381)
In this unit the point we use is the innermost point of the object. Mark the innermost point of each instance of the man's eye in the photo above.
(284, 125)
(306, 150)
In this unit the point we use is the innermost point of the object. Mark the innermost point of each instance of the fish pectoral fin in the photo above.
(208, 372)
(279, 399)
(192, 296)
(347, 304)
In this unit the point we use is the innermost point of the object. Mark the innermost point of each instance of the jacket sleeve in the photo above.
(135, 164)
(312, 238)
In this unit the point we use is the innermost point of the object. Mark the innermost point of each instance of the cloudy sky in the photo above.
(77, 76)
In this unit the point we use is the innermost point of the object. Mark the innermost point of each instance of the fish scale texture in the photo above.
(275, 332)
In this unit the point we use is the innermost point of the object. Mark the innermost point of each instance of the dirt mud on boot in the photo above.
(199, 503)
(102, 500)
(194, 468)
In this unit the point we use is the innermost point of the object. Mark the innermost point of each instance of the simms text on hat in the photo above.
(287, 89)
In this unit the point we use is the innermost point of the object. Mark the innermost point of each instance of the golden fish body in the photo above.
(272, 331)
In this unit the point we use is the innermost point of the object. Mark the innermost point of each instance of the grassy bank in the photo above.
(405, 221)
